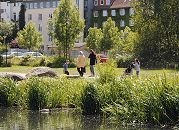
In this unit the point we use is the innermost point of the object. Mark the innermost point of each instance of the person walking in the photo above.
(92, 57)
(65, 67)
(81, 63)
(137, 66)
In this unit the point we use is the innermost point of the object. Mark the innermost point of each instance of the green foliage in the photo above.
(1, 61)
(157, 25)
(126, 44)
(8, 91)
(37, 97)
(124, 61)
(151, 99)
(6, 28)
(110, 35)
(94, 38)
(106, 72)
(29, 37)
(57, 62)
(25, 61)
(90, 100)
(67, 25)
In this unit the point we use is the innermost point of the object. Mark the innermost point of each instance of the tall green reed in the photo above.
(8, 91)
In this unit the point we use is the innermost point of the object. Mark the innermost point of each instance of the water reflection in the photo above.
(15, 119)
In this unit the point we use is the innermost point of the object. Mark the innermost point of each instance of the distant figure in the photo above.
(81, 63)
(128, 70)
(93, 61)
(137, 66)
(65, 67)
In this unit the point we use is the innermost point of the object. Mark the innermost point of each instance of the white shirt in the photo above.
(137, 66)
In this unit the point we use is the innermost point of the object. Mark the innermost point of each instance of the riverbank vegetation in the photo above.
(150, 99)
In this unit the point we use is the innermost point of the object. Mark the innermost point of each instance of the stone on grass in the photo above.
(41, 72)
(13, 76)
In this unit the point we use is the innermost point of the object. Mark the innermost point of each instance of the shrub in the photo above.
(107, 72)
(90, 100)
(8, 92)
(57, 62)
(25, 61)
(37, 94)
(1, 61)
(124, 61)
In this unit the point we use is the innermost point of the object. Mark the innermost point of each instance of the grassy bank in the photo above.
(152, 99)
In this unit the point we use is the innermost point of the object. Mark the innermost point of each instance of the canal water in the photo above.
(15, 119)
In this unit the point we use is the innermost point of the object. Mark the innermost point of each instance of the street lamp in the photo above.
(6, 47)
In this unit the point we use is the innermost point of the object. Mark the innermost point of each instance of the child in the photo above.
(128, 71)
(137, 66)
(65, 67)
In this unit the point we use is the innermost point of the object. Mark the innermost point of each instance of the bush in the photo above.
(8, 91)
(57, 62)
(124, 61)
(25, 61)
(1, 61)
(37, 94)
(107, 72)
(90, 100)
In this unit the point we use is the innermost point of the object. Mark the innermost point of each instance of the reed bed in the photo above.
(153, 99)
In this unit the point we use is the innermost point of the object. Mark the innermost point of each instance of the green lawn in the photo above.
(73, 71)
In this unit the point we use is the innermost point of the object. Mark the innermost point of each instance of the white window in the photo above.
(47, 4)
(40, 28)
(49, 38)
(131, 23)
(113, 12)
(95, 2)
(31, 5)
(131, 11)
(41, 4)
(105, 13)
(122, 12)
(27, 5)
(54, 4)
(29, 17)
(101, 2)
(108, 2)
(50, 15)
(40, 17)
(96, 14)
(96, 25)
(35, 5)
(122, 23)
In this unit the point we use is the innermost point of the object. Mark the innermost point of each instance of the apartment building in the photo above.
(9, 11)
(119, 10)
(40, 11)
(88, 9)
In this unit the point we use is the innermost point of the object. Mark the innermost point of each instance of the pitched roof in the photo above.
(121, 4)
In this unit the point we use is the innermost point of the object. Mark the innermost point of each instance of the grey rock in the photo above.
(41, 72)
(13, 76)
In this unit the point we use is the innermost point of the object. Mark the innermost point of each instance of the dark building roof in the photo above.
(120, 4)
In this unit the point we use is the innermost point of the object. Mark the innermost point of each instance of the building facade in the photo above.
(40, 11)
(9, 11)
(88, 9)
(119, 10)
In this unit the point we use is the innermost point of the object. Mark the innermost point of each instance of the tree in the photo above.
(29, 37)
(126, 43)
(22, 17)
(156, 22)
(110, 35)
(67, 25)
(94, 38)
(6, 28)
